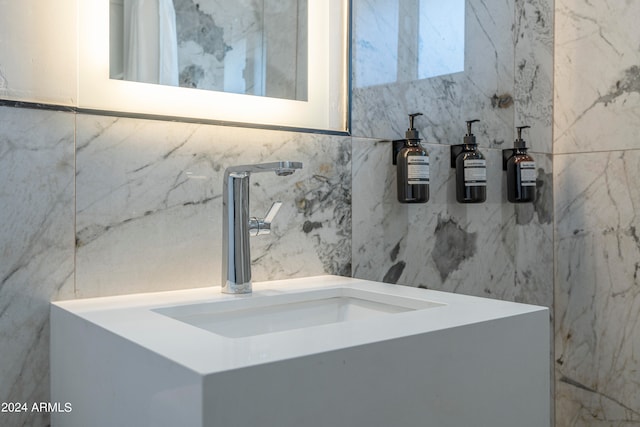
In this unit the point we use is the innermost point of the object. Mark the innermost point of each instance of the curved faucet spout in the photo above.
(236, 254)
(282, 168)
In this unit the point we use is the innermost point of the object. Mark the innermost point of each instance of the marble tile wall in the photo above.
(96, 205)
(134, 205)
(495, 249)
(596, 145)
(36, 249)
(149, 203)
(533, 86)
(443, 244)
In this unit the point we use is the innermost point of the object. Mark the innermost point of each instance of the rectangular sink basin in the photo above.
(263, 315)
(313, 352)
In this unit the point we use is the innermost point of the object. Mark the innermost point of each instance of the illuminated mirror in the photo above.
(271, 63)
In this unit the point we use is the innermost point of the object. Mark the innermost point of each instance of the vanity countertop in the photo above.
(133, 318)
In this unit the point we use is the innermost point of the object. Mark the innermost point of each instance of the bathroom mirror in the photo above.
(292, 72)
(418, 39)
(251, 47)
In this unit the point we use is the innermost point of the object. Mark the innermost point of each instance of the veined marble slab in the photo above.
(597, 297)
(494, 249)
(533, 100)
(36, 248)
(149, 203)
(597, 74)
(597, 121)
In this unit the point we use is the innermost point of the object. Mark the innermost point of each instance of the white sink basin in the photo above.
(313, 352)
(262, 315)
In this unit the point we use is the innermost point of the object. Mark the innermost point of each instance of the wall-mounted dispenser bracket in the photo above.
(507, 153)
(455, 152)
(396, 146)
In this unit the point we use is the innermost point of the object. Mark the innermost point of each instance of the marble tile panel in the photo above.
(149, 204)
(494, 249)
(597, 76)
(597, 295)
(534, 71)
(36, 247)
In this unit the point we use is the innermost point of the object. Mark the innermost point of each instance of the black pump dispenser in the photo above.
(519, 142)
(412, 132)
(470, 138)
(521, 171)
(471, 169)
(412, 166)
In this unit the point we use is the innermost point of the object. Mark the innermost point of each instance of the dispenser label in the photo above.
(417, 170)
(475, 173)
(528, 174)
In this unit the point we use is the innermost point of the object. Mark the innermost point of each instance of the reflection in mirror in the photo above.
(430, 32)
(321, 99)
(253, 47)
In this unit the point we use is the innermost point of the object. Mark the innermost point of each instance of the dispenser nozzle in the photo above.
(519, 128)
(469, 123)
(411, 117)
(412, 133)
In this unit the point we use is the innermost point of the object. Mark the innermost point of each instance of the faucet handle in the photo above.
(273, 211)
(263, 226)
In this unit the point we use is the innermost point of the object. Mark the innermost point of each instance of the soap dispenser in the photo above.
(412, 162)
(521, 171)
(471, 169)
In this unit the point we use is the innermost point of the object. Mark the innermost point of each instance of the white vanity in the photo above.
(317, 351)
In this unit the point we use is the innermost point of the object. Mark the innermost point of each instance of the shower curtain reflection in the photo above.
(147, 41)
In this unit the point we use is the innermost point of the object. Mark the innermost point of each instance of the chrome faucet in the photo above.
(237, 226)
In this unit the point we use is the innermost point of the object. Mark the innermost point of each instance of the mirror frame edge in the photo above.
(340, 124)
